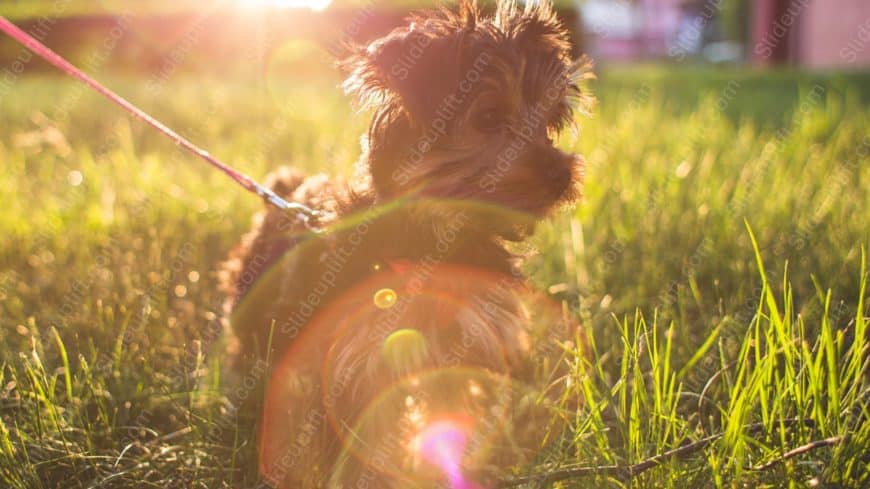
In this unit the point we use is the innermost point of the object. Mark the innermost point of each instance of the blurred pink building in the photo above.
(630, 30)
(811, 33)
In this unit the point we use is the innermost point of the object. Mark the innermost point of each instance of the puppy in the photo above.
(405, 348)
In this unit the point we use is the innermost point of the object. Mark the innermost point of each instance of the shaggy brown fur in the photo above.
(406, 322)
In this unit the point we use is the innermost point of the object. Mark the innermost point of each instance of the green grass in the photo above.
(698, 328)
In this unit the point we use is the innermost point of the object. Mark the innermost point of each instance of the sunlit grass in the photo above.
(695, 326)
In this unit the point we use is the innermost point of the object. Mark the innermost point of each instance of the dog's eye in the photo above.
(489, 120)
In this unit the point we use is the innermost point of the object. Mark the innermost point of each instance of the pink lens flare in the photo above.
(403, 390)
(442, 444)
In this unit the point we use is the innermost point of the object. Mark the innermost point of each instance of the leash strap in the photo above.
(304, 213)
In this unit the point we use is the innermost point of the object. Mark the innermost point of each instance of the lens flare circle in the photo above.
(431, 426)
(442, 444)
(377, 385)
(385, 298)
(405, 349)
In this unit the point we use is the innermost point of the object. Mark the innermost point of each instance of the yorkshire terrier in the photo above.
(405, 348)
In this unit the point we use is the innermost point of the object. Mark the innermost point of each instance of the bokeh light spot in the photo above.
(75, 178)
(405, 349)
(385, 298)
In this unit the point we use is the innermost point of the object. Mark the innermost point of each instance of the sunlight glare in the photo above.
(315, 5)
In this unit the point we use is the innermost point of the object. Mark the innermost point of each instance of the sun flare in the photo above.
(316, 5)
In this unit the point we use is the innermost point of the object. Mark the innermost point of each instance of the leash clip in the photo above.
(304, 214)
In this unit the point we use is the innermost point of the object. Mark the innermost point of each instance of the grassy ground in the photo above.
(111, 239)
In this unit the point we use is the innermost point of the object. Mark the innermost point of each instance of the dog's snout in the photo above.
(559, 172)
(553, 162)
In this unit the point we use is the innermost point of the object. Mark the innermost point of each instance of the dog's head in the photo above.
(467, 106)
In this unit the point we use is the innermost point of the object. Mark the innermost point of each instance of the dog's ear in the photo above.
(414, 63)
(545, 43)
(382, 69)
(400, 66)
(535, 27)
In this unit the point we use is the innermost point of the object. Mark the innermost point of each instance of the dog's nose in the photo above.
(556, 165)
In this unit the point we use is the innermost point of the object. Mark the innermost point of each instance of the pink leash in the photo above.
(304, 213)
